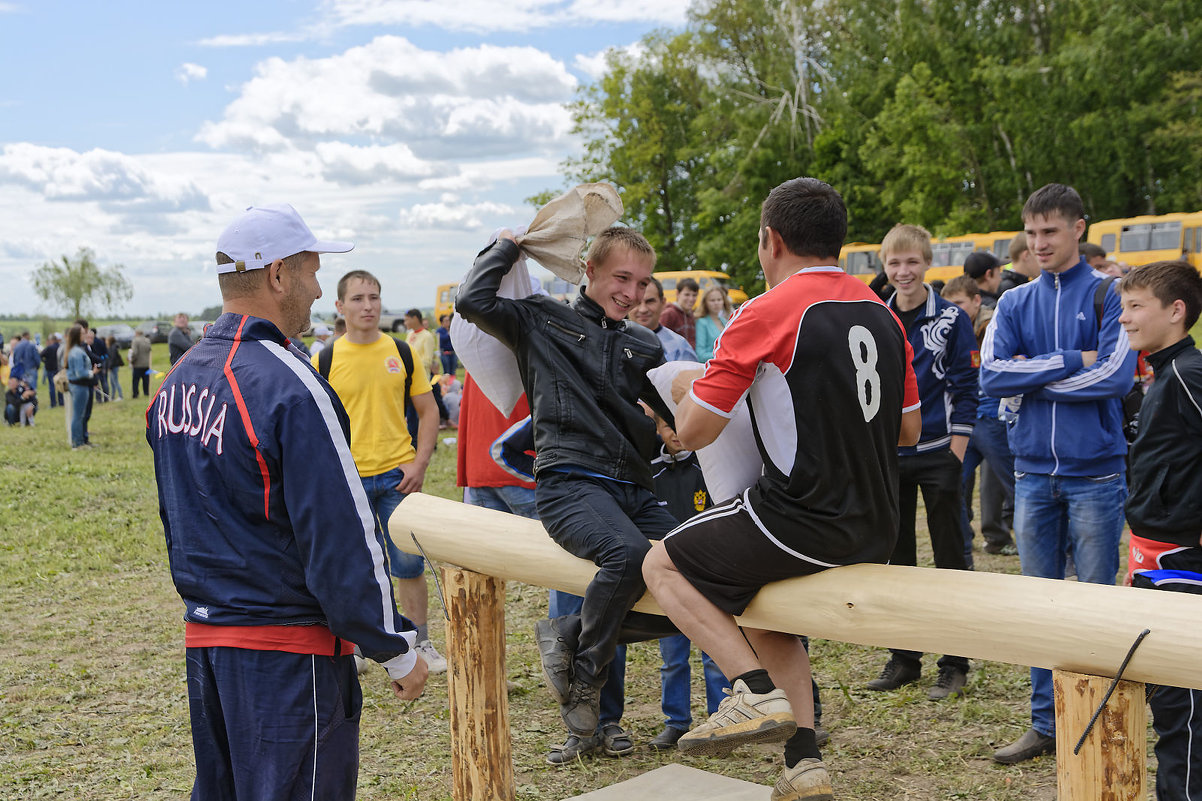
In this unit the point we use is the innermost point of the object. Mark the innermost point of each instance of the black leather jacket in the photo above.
(583, 373)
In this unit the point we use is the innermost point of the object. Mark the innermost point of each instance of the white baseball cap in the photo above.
(262, 234)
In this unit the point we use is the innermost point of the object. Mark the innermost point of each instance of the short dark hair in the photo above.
(1090, 251)
(1054, 199)
(1169, 281)
(659, 287)
(809, 215)
(414, 313)
(362, 275)
(240, 284)
(686, 283)
(1018, 246)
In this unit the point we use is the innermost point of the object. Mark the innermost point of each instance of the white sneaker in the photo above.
(745, 717)
(434, 660)
(805, 781)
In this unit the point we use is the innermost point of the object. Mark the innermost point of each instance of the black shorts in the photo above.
(727, 557)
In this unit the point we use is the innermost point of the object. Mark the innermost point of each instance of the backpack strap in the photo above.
(1099, 297)
(325, 358)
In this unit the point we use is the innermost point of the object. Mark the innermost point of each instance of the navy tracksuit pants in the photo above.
(273, 726)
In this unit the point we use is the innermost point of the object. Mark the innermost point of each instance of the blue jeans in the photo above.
(516, 500)
(987, 444)
(81, 396)
(384, 498)
(450, 363)
(1052, 514)
(675, 677)
(115, 382)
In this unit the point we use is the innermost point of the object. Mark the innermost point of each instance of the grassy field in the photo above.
(92, 687)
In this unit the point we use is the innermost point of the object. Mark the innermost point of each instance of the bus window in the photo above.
(1166, 236)
(669, 284)
(1135, 237)
(1001, 249)
(1108, 243)
(940, 252)
(958, 252)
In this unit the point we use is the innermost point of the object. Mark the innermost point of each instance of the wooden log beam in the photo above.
(1084, 628)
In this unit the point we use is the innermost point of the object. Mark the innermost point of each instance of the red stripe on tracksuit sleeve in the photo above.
(245, 413)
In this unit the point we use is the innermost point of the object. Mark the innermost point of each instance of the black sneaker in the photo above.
(556, 654)
(950, 683)
(572, 749)
(896, 674)
(666, 739)
(582, 710)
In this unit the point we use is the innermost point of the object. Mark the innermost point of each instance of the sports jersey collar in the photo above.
(930, 307)
(226, 327)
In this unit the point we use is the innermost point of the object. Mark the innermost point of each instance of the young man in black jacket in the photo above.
(1161, 302)
(584, 369)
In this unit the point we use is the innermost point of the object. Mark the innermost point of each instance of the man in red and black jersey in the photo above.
(825, 368)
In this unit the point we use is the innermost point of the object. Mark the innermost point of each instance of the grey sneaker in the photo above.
(582, 710)
(806, 780)
(950, 684)
(895, 674)
(742, 718)
(556, 654)
(434, 660)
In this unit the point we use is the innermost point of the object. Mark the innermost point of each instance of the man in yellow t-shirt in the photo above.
(425, 350)
(368, 373)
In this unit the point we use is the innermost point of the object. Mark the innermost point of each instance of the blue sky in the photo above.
(413, 128)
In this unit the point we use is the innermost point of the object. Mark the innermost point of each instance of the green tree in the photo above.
(75, 285)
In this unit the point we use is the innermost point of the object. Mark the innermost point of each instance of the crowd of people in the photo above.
(1020, 369)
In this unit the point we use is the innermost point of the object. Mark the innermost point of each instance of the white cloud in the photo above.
(488, 100)
(114, 179)
(454, 216)
(595, 65)
(347, 164)
(255, 39)
(516, 15)
(190, 72)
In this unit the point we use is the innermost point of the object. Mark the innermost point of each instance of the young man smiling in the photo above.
(1161, 302)
(1061, 373)
(584, 369)
(943, 343)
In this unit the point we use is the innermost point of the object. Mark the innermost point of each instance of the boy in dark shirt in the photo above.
(1161, 302)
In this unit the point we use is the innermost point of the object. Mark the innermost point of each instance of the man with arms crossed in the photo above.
(370, 377)
(1061, 369)
(277, 580)
(825, 367)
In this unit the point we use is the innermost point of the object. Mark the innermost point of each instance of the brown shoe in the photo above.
(1029, 746)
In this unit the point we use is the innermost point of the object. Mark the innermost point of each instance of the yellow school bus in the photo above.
(444, 302)
(861, 259)
(705, 279)
(1149, 238)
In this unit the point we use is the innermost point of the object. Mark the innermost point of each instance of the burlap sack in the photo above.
(561, 229)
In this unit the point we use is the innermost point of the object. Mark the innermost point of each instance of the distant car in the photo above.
(198, 328)
(391, 321)
(156, 330)
(121, 333)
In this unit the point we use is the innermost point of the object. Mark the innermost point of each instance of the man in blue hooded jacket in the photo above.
(1061, 368)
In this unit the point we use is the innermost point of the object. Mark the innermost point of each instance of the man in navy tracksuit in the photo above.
(943, 342)
(1061, 369)
(279, 582)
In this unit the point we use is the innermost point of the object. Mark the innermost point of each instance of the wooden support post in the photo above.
(1113, 762)
(481, 748)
